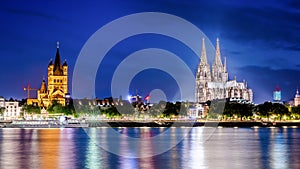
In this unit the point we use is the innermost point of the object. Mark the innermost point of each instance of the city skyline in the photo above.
(260, 42)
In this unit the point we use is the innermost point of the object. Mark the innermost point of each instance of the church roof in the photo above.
(65, 63)
(57, 63)
(51, 62)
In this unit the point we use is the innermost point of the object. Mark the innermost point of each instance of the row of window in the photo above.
(10, 110)
(11, 107)
(57, 81)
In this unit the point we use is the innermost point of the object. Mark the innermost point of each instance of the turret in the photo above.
(43, 88)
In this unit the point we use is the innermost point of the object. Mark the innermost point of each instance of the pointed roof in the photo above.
(43, 88)
(218, 61)
(65, 63)
(225, 65)
(57, 62)
(203, 54)
(297, 93)
(50, 63)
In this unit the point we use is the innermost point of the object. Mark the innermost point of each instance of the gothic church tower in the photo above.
(57, 82)
(219, 72)
(203, 75)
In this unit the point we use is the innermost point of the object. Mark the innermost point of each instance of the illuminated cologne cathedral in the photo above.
(212, 82)
(57, 88)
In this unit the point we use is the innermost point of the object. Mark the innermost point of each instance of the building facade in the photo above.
(297, 99)
(212, 81)
(57, 88)
(277, 94)
(11, 109)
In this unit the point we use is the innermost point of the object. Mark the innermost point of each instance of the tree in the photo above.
(295, 112)
(55, 108)
(280, 110)
(216, 109)
(111, 112)
(238, 109)
(32, 109)
(170, 110)
(264, 110)
(267, 109)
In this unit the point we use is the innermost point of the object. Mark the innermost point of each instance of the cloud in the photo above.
(276, 27)
(264, 79)
(33, 13)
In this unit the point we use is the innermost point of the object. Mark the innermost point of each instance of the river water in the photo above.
(68, 148)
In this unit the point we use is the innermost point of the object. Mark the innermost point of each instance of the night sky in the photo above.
(260, 40)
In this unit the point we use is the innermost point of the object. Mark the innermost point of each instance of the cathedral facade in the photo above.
(57, 87)
(212, 81)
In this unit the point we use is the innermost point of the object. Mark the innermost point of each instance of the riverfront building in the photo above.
(297, 99)
(57, 88)
(212, 82)
(10, 109)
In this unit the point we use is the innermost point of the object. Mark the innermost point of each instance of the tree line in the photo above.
(217, 110)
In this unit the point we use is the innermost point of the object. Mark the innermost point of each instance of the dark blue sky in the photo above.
(260, 40)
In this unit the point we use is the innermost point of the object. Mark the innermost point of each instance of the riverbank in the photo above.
(89, 123)
(198, 124)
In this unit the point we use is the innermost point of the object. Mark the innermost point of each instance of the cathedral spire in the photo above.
(203, 53)
(218, 61)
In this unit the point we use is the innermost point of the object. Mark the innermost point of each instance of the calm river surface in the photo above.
(98, 148)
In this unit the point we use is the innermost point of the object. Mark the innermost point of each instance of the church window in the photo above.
(54, 80)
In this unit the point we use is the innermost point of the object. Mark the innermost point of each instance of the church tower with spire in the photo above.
(203, 75)
(57, 82)
(213, 83)
(219, 72)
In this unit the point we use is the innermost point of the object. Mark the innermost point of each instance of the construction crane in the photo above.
(28, 88)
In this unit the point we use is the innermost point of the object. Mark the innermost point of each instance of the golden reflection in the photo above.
(49, 148)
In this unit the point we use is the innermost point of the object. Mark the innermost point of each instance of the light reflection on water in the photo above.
(226, 148)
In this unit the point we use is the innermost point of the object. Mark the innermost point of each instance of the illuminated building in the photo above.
(135, 99)
(297, 98)
(12, 110)
(277, 94)
(57, 88)
(213, 83)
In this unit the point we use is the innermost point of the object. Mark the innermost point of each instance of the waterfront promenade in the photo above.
(141, 123)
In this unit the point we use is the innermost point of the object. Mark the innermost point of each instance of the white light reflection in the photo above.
(196, 149)
(278, 149)
(146, 147)
(93, 156)
(34, 148)
(124, 161)
(8, 149)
